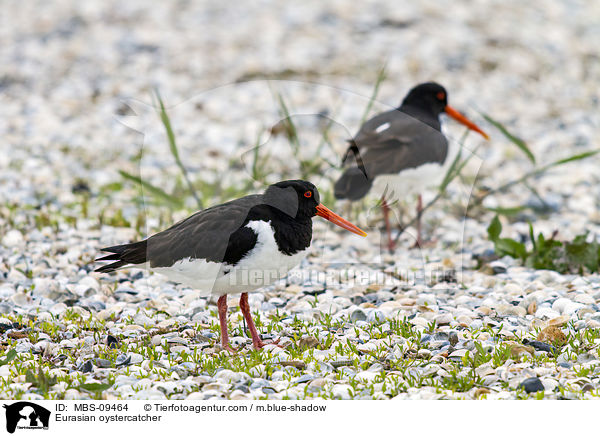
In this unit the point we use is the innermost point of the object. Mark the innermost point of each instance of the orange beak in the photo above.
(323, 212)
(464, 120)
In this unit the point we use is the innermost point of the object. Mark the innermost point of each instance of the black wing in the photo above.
(387, 144)
(216, 234)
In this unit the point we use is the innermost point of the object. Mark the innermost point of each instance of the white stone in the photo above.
(12, 238)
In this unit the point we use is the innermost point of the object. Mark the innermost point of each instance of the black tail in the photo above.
(135, 253)
(353, 185)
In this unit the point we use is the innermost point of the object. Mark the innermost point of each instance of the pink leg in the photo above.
(386, 217)
(245, 307)
(419, 242)
(222, 307)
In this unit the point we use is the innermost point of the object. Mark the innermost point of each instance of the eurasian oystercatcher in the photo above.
(401, 151)
(235, 247)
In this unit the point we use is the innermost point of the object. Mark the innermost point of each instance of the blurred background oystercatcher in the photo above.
(235, 247)
(400, 152)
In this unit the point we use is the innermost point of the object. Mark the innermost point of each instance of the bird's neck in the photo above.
(292, 234)
(425, 115)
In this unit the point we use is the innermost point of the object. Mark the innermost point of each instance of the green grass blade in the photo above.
(507, 211)
(512, 138)
(164, 117)
(575, 157)
(291, 127)
(9, 357)
(494, 229)
(155, 191)
(539, 171)
(380, 78)
(452, 171)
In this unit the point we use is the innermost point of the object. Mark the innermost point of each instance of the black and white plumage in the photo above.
(235, 247)
(402, 151)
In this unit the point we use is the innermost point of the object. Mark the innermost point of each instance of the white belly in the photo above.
(408, 182)
(261, 266)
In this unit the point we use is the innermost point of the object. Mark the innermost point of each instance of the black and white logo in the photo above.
(26, 415)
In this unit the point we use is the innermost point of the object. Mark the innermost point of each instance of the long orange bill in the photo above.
(464, 120)
(323, 212)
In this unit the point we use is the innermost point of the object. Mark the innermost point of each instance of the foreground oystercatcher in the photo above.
(239, 246)
(401, 151)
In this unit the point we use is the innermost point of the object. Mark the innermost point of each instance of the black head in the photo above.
(297, 198)
(429, 97)
(300, 200)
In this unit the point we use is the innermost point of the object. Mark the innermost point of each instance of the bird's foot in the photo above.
(419, 243)
(229, 348)
(258, 344)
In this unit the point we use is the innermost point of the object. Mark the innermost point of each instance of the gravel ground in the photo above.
(356, 322)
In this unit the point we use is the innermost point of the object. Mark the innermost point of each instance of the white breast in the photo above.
(413, 181)
(261, 266)
(408, 182)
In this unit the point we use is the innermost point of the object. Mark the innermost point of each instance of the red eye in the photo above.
(440, 95)
(308, 194)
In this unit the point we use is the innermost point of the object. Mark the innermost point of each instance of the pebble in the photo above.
(123, 360)
(12, 238)
(532, 384)
(453, 338)
(444, 319)
(86, 366)
(358, 315)
(541, 346)
(552, 335)
(103, 363)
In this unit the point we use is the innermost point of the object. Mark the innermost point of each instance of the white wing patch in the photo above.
(383, 127)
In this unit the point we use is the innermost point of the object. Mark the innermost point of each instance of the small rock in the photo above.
(426, 300)
(308, 342)
(510, 310)
(23, 347)
(375, 316)
(103, 363)
(122, 360)
(305, 378)
(443, 319)
(540, 346)
(424, 353)
(342, 391)
(532, 384)
(12, 238)
(552, 335)
(559, 321)
(316, 384)
(298, 364)
(228, 376)
(458, 354)
(86, 366)
(587, 387)
(453, 338)
(532, 308)
(498, 267)
(358, 315)
(517, 349)
(480, 391)
(15, 334)
(112, 342)
(340, 363)
(136, 358)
